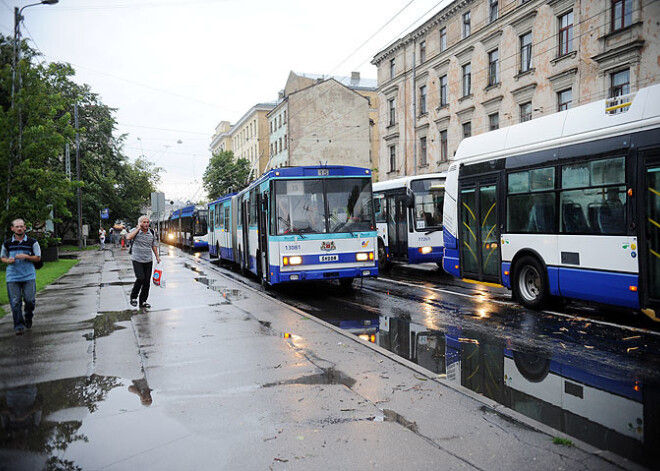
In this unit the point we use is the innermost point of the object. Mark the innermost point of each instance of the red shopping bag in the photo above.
(158, 275)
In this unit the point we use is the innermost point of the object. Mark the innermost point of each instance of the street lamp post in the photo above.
(18, 17)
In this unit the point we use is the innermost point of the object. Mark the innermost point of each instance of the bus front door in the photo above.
(397, 226)
(479, 235)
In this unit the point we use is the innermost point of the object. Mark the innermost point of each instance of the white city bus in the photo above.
(567, 205)
(409, 219)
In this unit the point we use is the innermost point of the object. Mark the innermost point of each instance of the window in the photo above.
(422, 151)
(593, 197)
(422, 52)
(467, 129)
(392, 158)
(467, 80)
(494, 10)
(392, 68)
(620, 83)
(493, 121)
(443, 91)
(526, 112)
(285, 141)
(531, 201)
(422, 99)
(493, 67)
(564, 99)
(391, 103)
(466, 24)
(443, 39)
(526, 52)
(284, 116)
(280, 145)
(444, 151)
(621, 14)
(566, 33)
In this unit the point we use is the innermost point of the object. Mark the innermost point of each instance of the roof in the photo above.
(354, 84)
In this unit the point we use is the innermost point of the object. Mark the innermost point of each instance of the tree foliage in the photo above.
(36, 182)
(224, 175)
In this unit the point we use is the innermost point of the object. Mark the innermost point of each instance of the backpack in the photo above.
(130, 247)
(31, 241)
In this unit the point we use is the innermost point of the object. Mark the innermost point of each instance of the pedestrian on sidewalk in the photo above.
(122, 236)
(20, 252)
(102, 238)
(144, 245)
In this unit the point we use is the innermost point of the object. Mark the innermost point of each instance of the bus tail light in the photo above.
(632, 288)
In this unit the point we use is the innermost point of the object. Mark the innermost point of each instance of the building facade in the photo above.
(221, 140)
(249, 137)
(478, 65)
(323, 122)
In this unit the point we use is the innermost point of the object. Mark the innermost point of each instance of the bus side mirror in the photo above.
(409, 201)
(377, 206)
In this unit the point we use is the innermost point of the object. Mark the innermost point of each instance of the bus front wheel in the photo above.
(530, 284)
(383, 262)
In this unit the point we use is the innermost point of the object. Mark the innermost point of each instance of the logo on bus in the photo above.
(365, 244)
(328, 246)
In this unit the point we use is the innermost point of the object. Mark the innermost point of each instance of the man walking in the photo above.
(145, 243)
(20, 252)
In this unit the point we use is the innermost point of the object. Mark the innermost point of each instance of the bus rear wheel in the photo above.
(530, 284)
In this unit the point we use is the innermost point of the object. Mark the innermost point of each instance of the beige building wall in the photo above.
(221, 140)
(601, 55)
(325, 123)
(250, 137)
(364, 87)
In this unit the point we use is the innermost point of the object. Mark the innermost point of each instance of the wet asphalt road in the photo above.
(569, 368)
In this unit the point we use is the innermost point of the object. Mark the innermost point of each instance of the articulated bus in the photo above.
(300, 223)
(565, 206)
(409, 219)
(187, 227)
(220, 230)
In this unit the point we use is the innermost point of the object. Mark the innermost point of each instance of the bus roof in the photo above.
(404, 182)
(584, 123)
(222, 199)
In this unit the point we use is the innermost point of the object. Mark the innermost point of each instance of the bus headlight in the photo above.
(170, 236)
(294, 260)
(364, 256)
(425, 250)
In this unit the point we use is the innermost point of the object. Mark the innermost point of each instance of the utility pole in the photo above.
(80, 241)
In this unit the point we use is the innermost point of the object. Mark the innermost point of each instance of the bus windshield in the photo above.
(429, 199)
(200, 225)
(321, 206)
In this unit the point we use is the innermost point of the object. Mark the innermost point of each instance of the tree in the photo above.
(223, 175)
(36, 183)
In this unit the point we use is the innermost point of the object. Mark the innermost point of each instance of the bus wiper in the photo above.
(433, 230)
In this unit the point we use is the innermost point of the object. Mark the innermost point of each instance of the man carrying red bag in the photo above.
(144, 244)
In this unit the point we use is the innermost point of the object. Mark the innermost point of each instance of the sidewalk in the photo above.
(219, 376)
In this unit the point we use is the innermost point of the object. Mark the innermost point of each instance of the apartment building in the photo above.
(320, 121)
(478, 65)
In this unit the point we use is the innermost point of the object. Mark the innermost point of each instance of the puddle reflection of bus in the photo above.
(600, 404)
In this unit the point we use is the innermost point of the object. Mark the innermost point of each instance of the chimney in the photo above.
(355, 77)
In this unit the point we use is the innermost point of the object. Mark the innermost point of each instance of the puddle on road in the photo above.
(105, 323)
(328, 376)
(562, 374)
(41, 422)
(229, 294)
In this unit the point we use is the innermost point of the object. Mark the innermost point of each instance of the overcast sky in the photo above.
(174, 69)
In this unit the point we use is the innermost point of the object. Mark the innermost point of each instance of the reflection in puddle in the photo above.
(216, 285)
(40, 421)
(603, 401)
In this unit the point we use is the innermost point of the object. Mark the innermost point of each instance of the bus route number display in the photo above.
(323, 172)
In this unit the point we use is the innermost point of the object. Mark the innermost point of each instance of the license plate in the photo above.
(329, 258)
